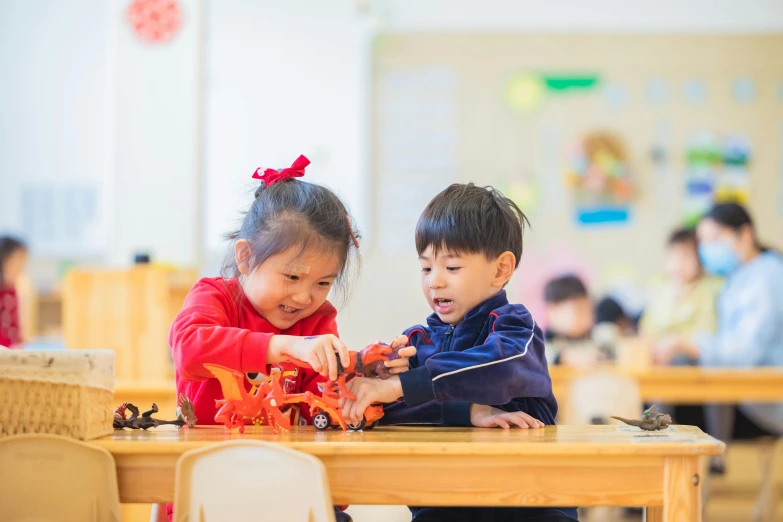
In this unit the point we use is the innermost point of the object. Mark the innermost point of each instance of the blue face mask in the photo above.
(718, 258)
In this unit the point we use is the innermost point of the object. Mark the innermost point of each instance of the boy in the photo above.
(570, 321)
(477, 349)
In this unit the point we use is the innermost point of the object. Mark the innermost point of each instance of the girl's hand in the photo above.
(488, 417)
(319, 352)
(367, 391)
(401, 364)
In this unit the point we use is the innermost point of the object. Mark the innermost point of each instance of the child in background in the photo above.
(570, 319)
(292, 249)
(480, 360)
(608, 310)
(13, 258)
(686, 305)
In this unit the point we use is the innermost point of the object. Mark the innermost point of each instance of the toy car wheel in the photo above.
(358, 427)
(321, 421)
(371, 426)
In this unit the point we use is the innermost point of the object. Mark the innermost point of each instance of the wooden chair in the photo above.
(246, 480)
(594, 397)
(49, 478)
(769, 495)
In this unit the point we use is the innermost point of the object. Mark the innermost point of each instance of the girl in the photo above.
(292, 249)
(13, 257)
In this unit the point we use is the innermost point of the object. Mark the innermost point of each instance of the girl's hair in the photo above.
(8, 245)
(735, 217)
(292, 213)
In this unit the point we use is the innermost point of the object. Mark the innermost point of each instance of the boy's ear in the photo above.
(242, 256)
(505, 265)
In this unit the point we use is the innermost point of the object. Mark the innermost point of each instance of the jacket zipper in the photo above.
(449, 337)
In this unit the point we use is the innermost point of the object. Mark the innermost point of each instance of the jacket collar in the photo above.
(476, 316)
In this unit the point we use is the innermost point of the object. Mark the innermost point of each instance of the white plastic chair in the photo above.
(49, 478)
(594, 397)
(248, 480)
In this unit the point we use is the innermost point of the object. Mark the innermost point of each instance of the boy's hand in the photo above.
(401, 365)
(319, 352)
(367, 391)
(488, 417)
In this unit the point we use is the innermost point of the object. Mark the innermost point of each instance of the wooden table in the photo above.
(554, 466)
(690, 385)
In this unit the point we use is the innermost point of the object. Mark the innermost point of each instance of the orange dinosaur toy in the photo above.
(269, 397)
(266, 401)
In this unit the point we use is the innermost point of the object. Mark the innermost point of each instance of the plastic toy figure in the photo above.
(652, 420)
(269, 398)
(266, 402)
(185, 415)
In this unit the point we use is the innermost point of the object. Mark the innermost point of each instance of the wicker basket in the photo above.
(67, 392)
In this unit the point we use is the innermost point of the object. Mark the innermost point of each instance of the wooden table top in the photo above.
(409, 441)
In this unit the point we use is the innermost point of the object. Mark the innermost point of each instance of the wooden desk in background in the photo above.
(690, 385)
(129, 311)
(553, 466)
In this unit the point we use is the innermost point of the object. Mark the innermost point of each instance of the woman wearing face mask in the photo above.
(750, 314)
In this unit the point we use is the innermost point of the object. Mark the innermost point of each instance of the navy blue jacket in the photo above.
(495, 356)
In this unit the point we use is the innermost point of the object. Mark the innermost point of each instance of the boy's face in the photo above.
(682, 262)
(573, 318)
(454, 283)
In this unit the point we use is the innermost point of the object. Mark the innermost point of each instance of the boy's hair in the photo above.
(683, 236)
(608, 310)
(564, 288)
(474, 220)
(293, 213)
(9, 245)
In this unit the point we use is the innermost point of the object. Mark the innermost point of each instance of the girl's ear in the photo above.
(242, 256)
(504, 268)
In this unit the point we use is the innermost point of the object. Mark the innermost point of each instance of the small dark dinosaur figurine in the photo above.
(185, 415)
(652, 420)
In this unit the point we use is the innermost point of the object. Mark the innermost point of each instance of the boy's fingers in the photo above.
(395, 363)
(500, 421)
(346, 407)
(400, 369)
(400, 340)
(408, 351)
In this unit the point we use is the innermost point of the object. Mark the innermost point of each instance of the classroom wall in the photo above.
(86, 101)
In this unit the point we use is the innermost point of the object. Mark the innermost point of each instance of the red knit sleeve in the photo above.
(10, 329)
(205, 332)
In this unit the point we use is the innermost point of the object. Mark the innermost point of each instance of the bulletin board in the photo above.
(696, 117)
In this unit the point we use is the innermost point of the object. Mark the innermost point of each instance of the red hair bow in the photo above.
(272, 176)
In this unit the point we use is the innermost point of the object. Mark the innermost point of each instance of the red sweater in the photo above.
(218, 325)
(10, 329)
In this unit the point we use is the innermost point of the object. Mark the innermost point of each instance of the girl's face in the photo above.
(14, 265)
(287, 287)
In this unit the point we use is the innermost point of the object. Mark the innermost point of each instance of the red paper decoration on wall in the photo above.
(155, 20)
